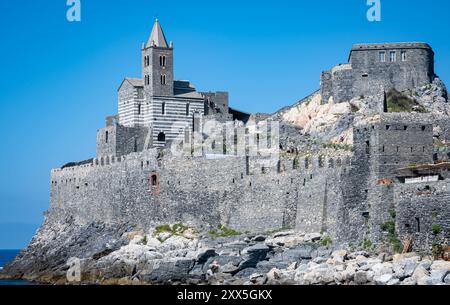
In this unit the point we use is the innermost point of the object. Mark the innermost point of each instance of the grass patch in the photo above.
(223, 231)
(398, 102)
(176, 229)
(395, 242)
(437, 251)
(436, 228)
(367, 245)
(326, 241)
(346, 147)
(144, 240)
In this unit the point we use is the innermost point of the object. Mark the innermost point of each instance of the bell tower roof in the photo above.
(157, 38)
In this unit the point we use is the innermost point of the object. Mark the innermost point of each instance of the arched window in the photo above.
(163, 108)
(139, 109)
(162, 61)
(154, 183)
(161, 137)
(106, 136)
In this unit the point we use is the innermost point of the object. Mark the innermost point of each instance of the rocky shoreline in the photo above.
(179, 255)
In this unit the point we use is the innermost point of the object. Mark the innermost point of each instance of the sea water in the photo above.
(7, 256)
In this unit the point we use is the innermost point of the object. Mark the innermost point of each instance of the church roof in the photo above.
(157, 38)
(135, 82)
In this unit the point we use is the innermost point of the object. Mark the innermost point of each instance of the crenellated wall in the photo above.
(348, 194)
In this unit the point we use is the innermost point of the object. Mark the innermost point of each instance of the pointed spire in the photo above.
(157, 38)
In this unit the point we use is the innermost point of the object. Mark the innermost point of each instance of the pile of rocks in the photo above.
(278, 259)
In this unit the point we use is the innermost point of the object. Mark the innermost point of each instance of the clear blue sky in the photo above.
(59, 79)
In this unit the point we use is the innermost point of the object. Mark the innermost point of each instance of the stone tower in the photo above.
(157, 64)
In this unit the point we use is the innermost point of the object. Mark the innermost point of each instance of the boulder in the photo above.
(204, 254)
(229, 268)
(273, 275)
(400, 257)
(228, 264)
(437, 277)
(382, 269)
(393, 282)
(383, 279)
(339, 255)
(360, 277)
(254, 255)
(320, 276)
(319, 260)
(289, 241)
(421, 276)
(447, 278)
(259, 238)
(174, 243)
(165, 270)
(297, 254)
(266, 266)
(440, 265)
(312, 237)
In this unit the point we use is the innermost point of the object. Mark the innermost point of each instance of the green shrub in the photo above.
(398, 102)
(326, 241)
(367, 245)
(144, 240)
(436, 228)
(163, 228)
(393, 238)
(393, 214)
(437, 250)
(223, 231)
(176, 229)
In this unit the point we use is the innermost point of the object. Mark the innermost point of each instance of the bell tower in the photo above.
(157, 64)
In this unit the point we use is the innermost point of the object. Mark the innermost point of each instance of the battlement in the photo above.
(390, 45)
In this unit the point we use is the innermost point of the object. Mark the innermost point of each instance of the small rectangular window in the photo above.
(383, 56)
(403, 55)
(163, 108)
(393, 56)
(187, 109)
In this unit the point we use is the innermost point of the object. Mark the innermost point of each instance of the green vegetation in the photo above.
(326, 241)
(223, 231)
(144, 240)
(296, 163)
(436, 228)
(176, 229)
(398, 102)
(393, 214)
(393, 238)
(346, 147)
(367, 245)
(437, 250)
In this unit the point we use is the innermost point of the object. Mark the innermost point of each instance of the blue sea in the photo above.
(7, 256)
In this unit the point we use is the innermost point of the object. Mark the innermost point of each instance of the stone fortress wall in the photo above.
(375, 68)
(349, 195)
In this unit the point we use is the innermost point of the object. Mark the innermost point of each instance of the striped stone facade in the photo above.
(156, 101)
